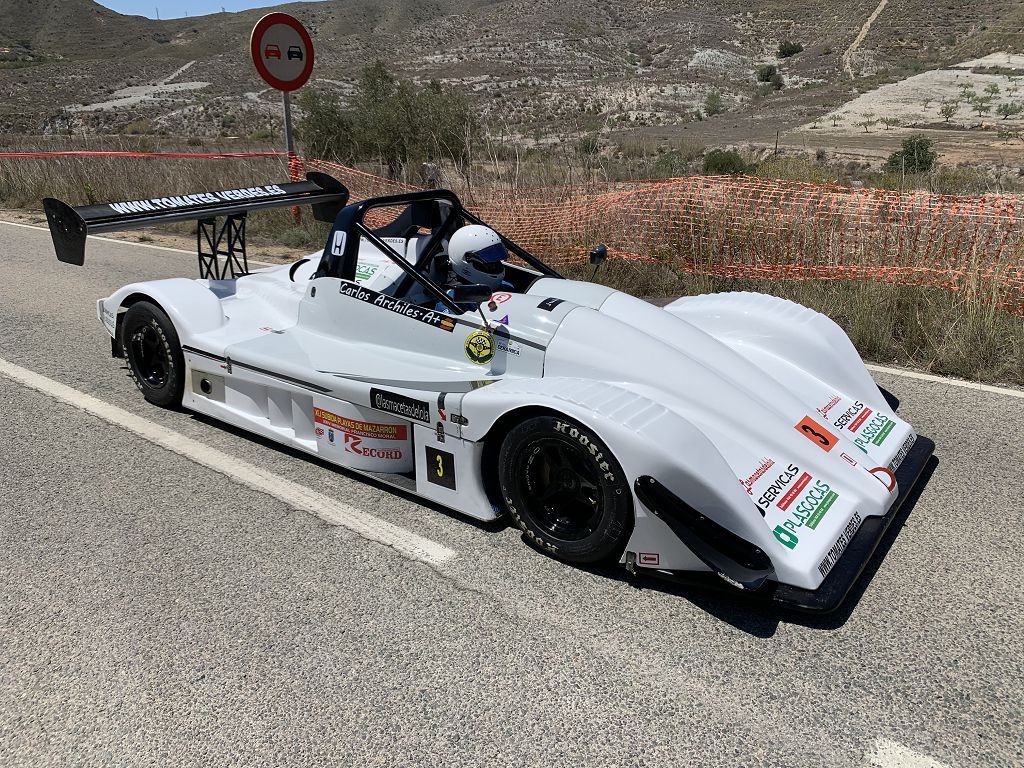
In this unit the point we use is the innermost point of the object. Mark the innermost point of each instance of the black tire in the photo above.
(565, 490)
(155, 360)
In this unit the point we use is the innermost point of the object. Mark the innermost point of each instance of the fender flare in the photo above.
(192, 307)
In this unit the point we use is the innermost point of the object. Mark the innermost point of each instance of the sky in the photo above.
(173, 9)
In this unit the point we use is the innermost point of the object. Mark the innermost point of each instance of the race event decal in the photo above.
(840, 546)
(816, 433)
(360, 428)
(399, 307)
(480, 347)
(441, 468)
(400, 405)
(202, 198)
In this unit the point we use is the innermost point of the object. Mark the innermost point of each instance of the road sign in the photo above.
(282, 51)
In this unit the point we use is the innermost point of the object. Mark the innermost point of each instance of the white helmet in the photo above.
(476, 254)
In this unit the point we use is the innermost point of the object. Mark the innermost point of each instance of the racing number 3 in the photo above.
(441, 468)
(817, 434)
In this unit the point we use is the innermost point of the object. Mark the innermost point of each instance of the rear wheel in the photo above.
(155, 360)
(565, 489)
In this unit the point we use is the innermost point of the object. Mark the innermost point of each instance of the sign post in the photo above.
(282, 52)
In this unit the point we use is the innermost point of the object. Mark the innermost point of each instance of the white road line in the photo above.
(330, 510)
(137, 244)
(944, 380)
(892, 754)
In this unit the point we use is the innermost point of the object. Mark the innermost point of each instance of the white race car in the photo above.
(733, 438)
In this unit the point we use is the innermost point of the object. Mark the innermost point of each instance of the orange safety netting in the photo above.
(745, 227)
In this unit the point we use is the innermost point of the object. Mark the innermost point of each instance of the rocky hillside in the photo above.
(537, 68)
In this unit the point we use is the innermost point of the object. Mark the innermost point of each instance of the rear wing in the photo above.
(69, 226)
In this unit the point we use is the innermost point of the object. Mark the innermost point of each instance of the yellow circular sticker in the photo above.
(480, 347)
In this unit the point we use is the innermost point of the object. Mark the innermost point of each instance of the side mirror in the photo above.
(472, 293)
(598, 255)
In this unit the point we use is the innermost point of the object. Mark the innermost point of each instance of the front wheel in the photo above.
(565, 489)
(155, 360)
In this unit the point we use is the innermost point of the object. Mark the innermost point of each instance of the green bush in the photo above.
(713, 104)
(723, 161)
(766, 72)
(788, 49)
(916, 155)
(390, 120)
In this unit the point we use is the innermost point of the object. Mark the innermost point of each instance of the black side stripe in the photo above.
(280, 376)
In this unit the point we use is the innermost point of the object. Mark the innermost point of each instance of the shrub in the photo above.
(788, 49)
(766, 72)
(713, 104)
(723, 161)
(916, 155)
(778, 82)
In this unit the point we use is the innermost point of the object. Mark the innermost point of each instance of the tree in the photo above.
(948, 109)
(868, 120)
(722, 161)
(765, 72)
(890, 122)
(982, 105)
(713, 104)
(835, 117)
(916, 155)
(789, 48)
(389, 120)
(926, 102)
(1009, 109)
(992, 90)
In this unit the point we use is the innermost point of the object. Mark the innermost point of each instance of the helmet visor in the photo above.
(488, 260)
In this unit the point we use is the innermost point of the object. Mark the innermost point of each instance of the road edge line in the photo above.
(368, 526)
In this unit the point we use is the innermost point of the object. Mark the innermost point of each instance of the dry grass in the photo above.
(961, 333)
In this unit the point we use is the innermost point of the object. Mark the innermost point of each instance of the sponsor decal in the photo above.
(814, 502)
(840, 546)
(109, 319)
(440, 468)
(762, 468)
(440, 432)
(361, 428)
(828, 406)
(853, 413)
(330, 435)
(504, 320)
(509, 347)
(777, 486)
(875, 431)
(365, 271)
(459, 419)
(816, 433)
(338, 242)
(500, 298)
(584, 440)
(859, 421)
(480, 347)
(901, 454)
(354, 444)
(400, 405)
(319, 431)
(203, 198)
(649, 558)
(399, 307)
(849, 459)
(549, 304)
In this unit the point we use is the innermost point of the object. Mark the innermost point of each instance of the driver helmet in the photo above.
(477, 254)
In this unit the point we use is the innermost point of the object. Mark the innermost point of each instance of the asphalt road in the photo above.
(157, 612)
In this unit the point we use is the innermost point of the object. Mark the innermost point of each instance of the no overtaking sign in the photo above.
(282, 51)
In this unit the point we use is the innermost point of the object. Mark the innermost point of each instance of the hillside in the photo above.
(537, 68)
